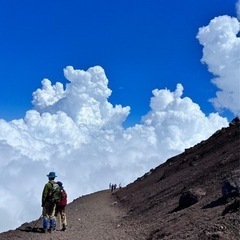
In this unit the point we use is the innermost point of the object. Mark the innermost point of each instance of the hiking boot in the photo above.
(44, 230)
(50, 230)
(64, 227)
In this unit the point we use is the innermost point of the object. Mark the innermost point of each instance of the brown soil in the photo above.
(153, 200)
(149, 207)
(95, 216)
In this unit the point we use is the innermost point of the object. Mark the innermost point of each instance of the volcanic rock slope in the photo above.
(194, 195)
(156, 204)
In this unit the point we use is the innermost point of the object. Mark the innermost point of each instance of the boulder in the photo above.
(231, 185)
(190, 197)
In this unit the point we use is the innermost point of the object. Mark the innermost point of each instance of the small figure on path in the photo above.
(113, 187)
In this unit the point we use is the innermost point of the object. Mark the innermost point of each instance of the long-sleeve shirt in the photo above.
(46, 190)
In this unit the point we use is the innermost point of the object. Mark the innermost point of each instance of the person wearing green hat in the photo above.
(51, 192)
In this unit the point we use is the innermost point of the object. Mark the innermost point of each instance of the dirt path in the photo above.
(97, 216)
(92, 217)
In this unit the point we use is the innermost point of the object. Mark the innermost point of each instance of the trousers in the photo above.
(49, 220)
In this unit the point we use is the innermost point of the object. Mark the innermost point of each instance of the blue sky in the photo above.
(142, 45)
(58, 111)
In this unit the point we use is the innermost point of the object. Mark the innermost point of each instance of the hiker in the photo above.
(113, 187)
(60, 207)
(50, 194)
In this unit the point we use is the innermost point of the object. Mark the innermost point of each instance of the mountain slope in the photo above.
(197, 174)
(180, 199)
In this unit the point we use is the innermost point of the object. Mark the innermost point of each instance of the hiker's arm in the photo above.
(45, 193)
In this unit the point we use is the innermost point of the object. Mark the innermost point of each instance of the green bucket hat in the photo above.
(51, 175)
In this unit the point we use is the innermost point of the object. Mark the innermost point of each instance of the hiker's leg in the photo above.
(45, 217)
(57, 218)
(45, 223)
(56, 211)
(52, 217)
(63, 218)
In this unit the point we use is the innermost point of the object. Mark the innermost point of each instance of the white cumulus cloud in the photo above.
(221, 52)
(238, 9)
(75, 131)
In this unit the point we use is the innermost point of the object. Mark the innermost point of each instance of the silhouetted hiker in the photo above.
(113, 187)
(60, 207)
(50, 195)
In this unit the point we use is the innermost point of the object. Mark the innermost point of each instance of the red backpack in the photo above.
(63, 201)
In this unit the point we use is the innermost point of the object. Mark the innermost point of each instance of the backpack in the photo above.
(55, 193)
(63, 200)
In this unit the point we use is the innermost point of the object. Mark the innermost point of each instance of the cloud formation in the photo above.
(221, 53)
(75, 131)
(238, 9)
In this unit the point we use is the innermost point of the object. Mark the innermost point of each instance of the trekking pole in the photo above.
(36, 222)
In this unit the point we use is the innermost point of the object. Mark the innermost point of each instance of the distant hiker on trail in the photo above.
(50, 196)
(113, 188)
(60, 207)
